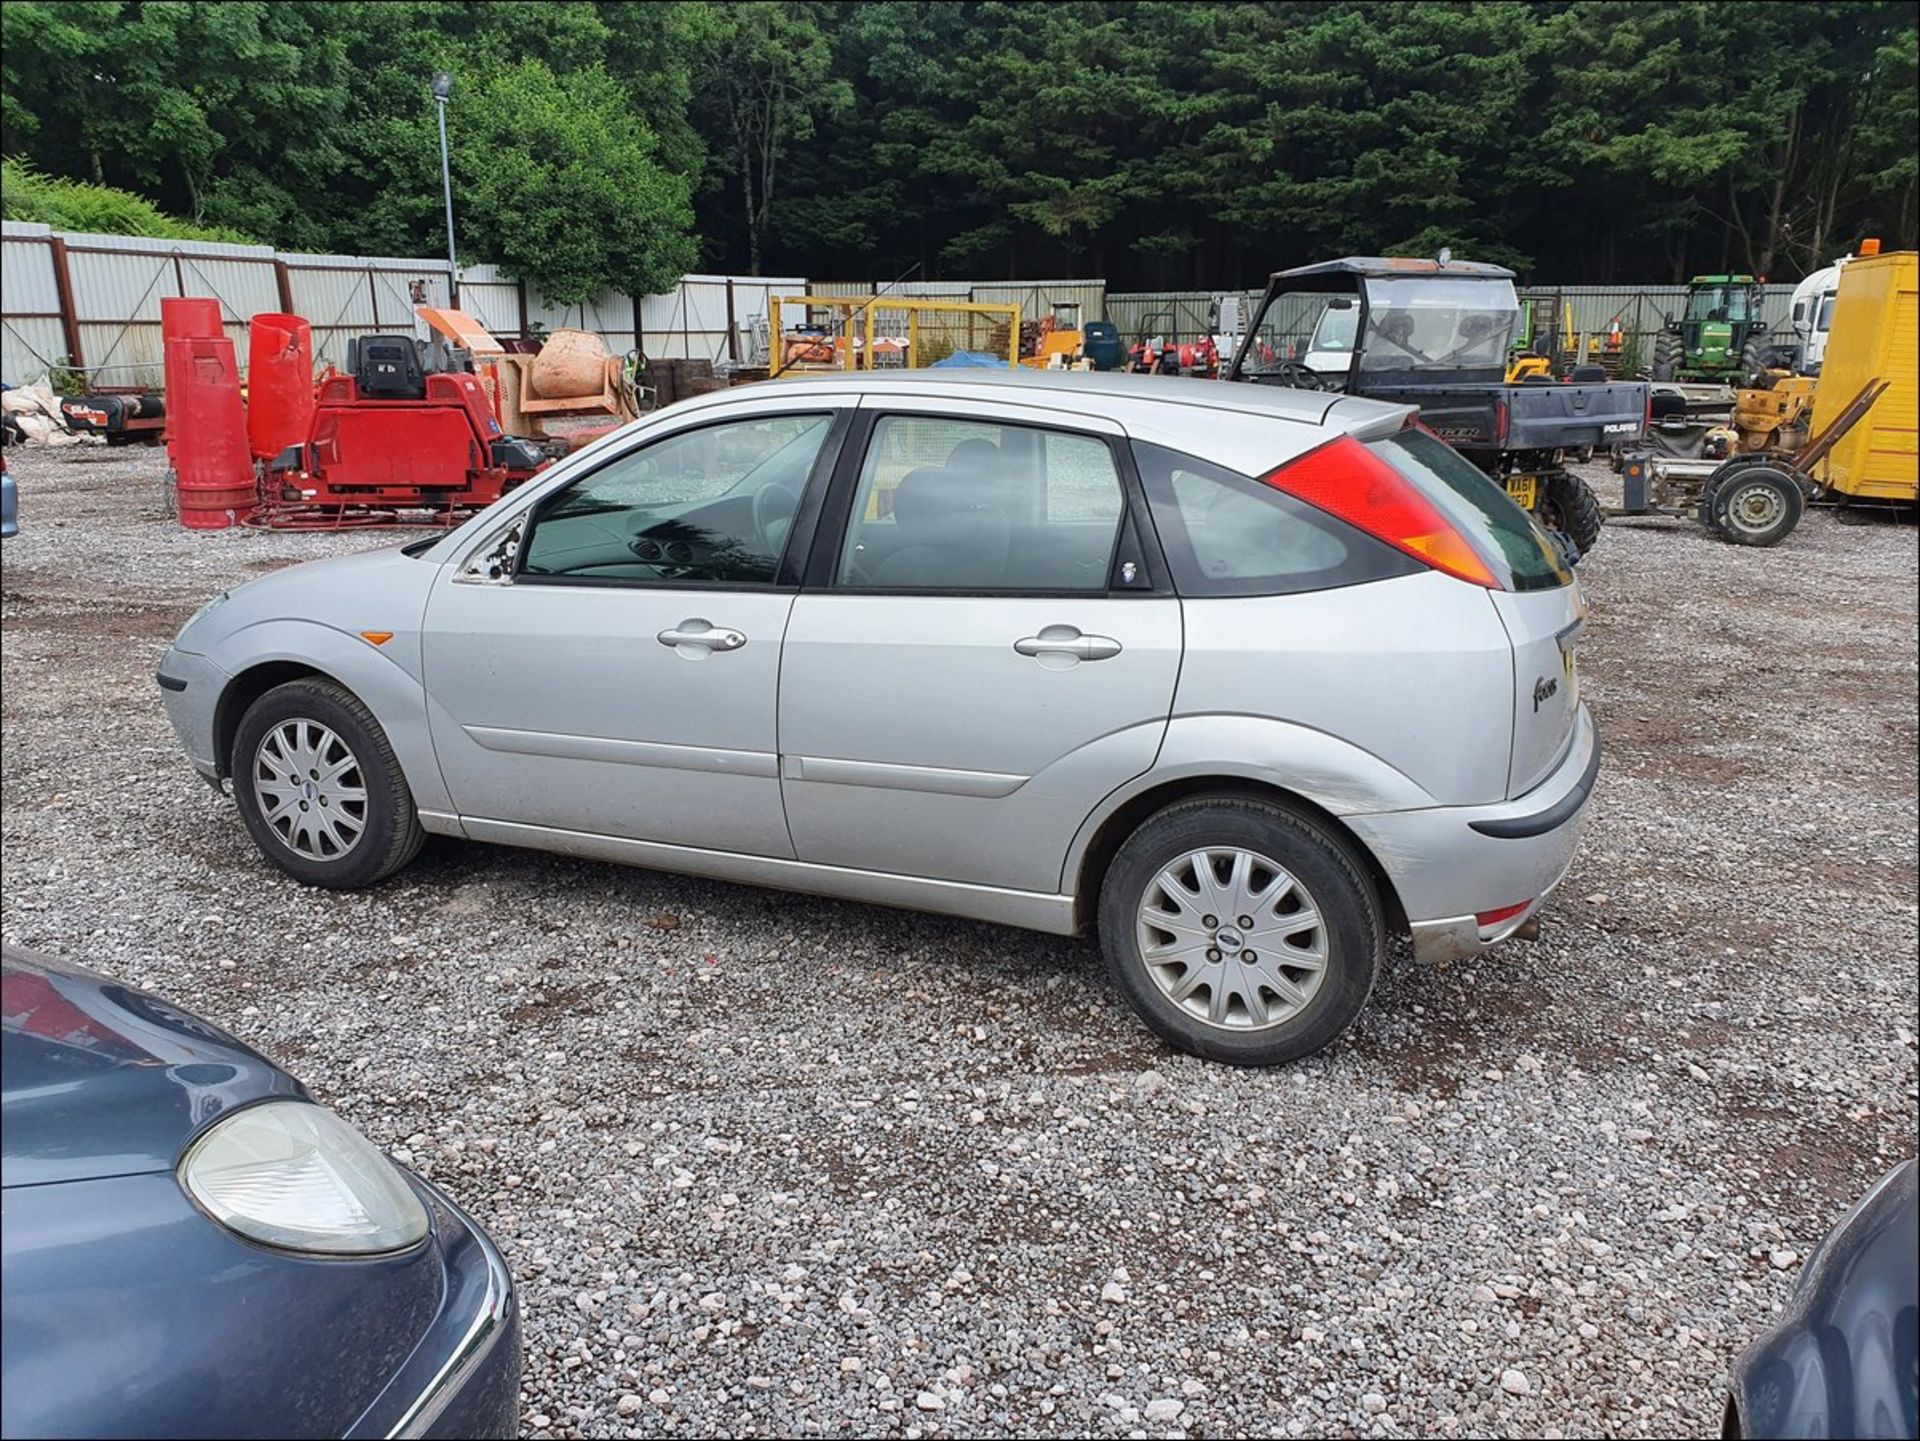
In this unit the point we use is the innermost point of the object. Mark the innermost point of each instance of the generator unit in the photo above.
(393, 435)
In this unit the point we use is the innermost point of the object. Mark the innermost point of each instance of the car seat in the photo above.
(953, 532)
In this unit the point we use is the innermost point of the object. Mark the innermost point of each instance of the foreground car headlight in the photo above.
(294, 1175)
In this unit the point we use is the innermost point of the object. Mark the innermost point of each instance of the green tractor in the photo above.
(1721, 335)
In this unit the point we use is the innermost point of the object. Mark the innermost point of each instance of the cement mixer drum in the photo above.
(572, 362)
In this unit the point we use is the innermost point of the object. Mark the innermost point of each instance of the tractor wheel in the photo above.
(1753, 363)
(1668, 352)
(1754, 505)
(1567, 504)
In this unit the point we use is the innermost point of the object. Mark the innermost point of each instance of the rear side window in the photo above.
(946, 503)
(1502, 532)
(1226, 534)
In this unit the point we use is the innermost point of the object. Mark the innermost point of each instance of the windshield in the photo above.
(1438, 322)
(1719, 302)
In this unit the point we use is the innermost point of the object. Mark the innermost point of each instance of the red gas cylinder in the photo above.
(207, 434)
(279, 384)
(183, 317)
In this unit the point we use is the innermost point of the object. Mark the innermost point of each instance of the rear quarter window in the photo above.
(1227, 534)
(1505, 535)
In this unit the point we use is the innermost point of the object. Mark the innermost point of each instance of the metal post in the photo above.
(442, 88)
(63, 288)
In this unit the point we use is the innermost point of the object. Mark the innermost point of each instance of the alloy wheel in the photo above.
(1232, 938)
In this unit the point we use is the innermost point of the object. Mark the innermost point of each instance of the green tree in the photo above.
(767, 74)
(563, 177)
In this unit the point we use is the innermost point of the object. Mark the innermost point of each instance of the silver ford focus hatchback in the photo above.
(1242, 678)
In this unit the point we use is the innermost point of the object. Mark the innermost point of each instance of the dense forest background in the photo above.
(1160, 145)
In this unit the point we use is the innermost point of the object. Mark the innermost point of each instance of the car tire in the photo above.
(1568, 504)
(1263, 1012)
(350, 820)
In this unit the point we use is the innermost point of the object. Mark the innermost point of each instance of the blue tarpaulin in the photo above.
(970, 360)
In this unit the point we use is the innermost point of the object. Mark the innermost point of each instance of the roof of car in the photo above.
(1396, 265)
(1086, 389)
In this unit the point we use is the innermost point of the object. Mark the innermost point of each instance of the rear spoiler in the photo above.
(1371, 419)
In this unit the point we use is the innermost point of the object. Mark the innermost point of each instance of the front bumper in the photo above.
(1449, 863)
(463, 1378)
(190, 689)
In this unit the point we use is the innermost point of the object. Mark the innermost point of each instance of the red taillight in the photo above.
(1505, 913)
(1346, 479)
(1500, 420)
(1646, 422)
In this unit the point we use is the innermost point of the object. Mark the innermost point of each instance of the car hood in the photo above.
(384, 589)
(101, 1079)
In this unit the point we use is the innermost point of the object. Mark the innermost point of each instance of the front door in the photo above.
(986, 653)
(622, 680)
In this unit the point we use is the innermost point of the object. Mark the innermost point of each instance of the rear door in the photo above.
(983, 650)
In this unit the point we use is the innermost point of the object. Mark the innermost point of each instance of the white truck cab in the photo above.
(1812, 314)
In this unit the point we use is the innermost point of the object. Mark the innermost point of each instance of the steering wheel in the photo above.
(774, 507)
(1300, 376)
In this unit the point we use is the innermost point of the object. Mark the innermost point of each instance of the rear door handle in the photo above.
(1066, 640)
(699, 637)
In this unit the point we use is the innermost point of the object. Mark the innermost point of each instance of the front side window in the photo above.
(1227, 534)
(952, 504)
(711, 506)
(1313, 329)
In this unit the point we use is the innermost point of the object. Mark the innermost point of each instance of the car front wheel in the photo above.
(319, 788)
(1240, 930)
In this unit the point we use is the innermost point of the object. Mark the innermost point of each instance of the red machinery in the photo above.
(392, 436)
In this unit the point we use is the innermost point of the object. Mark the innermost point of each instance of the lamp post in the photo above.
(442, 88)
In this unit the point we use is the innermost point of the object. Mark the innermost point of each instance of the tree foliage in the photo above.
(1153, 142)
(26, 194)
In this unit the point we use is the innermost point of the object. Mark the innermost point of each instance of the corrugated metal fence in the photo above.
(92, 302)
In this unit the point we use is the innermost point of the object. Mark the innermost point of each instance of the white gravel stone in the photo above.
(1514, 1382)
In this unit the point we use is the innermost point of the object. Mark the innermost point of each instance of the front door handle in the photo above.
(697, 638)
(1066, 640)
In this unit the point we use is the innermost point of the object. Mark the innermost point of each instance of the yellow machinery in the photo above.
(1060, 340)
(1776, 416)
(1875, 338)
(853, 339)
(1547, 343)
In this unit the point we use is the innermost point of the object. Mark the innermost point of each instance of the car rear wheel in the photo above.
(1240, 930)
(319, 788)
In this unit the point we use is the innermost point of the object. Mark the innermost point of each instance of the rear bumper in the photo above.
(463, 1379)
(190, 689)
(1449, 863)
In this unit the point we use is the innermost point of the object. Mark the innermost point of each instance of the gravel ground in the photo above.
(770, 1165)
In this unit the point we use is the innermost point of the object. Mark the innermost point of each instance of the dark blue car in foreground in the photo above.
(1844, 1358)
(192, 1247)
